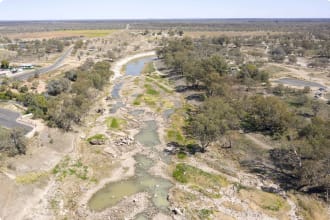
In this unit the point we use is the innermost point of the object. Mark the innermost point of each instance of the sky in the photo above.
(158, 9)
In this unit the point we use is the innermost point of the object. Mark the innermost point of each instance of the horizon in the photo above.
(38, 10)
(176, 19)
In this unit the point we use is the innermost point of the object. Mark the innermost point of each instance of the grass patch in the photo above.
(89, 33)
(187, 174)
(182, 155)
(138, 100)
(311, 209)
(175, 132)
(100, 137)
(115, 123)
(148, 68)
(266, 201)
(30, 178)
(161, 85)
(205, 213)
(175, 135)
(150, 90)
(71, 168)
(149, 100)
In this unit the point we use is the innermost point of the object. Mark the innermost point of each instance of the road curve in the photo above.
(9, 119)
(58, 63)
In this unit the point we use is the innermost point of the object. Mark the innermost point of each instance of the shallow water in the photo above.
(298, 82)
(115, 107)
(157, 187)
(134, 68)
(115, 192)
(148, 136)
(116, 90)
(137, 112)
(168, 113)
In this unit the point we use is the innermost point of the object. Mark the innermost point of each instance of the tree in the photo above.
(278, 54)
(266, 114)
(251, 71)
(4, 64)
(18, 140)
(71, 75)
(214, 118)
(56, 87)
(12, 142)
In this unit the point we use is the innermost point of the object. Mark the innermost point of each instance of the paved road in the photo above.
(58, 63)
(8, 120)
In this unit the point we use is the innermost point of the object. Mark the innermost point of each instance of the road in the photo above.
(8, 119)
(58, 63)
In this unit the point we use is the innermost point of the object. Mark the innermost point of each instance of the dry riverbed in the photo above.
(62, 176)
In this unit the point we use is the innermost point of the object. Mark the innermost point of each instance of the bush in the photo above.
(56, 87)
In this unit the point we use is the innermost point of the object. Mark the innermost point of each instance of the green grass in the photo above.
(31, 178)
(89, 33)
(97, 137)
(205, 213)
(175, 131)
(182, 155)
(187, 174)
(150, 100)
(175, 135)
(148, 68)
(150, 90)
(71, 168)
(115, 123)
(160, 84)
(138, 100)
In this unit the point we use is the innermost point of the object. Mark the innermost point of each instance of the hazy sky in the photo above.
(127, 9)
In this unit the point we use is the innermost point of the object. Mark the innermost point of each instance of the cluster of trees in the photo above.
(305, 162)
(12, 142)
(68, 98)
(208, 69)
(73, 95)
(38, 47)
(4, 64)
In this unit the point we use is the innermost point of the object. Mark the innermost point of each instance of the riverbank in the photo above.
(118, 65)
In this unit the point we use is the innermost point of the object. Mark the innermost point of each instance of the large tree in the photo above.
(266, 114)
(213, 119)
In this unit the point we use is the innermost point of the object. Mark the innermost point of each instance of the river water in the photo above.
(142, 181)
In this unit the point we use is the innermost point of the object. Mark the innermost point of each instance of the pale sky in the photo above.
(142, 9)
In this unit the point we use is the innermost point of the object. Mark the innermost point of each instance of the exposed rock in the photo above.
(97, 142)
(125, 141)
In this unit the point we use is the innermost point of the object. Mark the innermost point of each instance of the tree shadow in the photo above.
(196, 97)
(174, 148)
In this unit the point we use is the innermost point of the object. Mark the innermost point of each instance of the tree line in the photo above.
(67, 98)
(230, 104)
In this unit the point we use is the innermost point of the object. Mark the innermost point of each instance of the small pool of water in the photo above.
(134, 68)
(137, 112)
(148, 136)
(168, 113)
(116, 90)
(113, 193)
(298, 82)
(114, 108)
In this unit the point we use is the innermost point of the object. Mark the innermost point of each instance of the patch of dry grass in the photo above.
(311, 209)
(269, 203)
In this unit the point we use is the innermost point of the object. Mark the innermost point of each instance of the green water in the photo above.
(115, 192)
(157, 188)
(148, 135)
